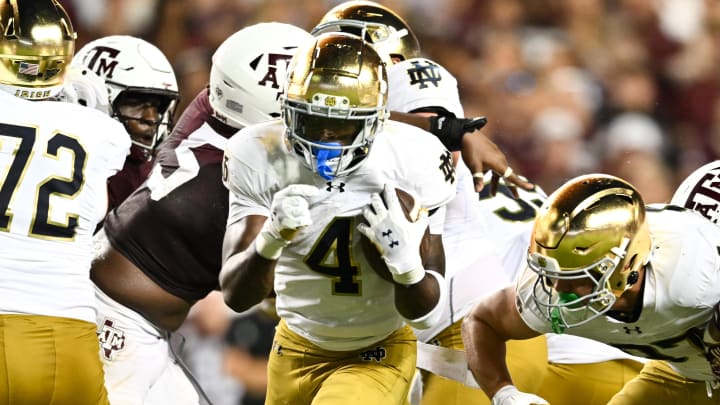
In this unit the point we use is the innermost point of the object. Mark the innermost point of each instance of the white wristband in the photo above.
(269, 247)
(411, 277)
(504, 393)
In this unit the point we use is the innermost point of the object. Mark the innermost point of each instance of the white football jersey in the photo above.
(509, 220)
(326, 290)
(55, 159)
(679, 293)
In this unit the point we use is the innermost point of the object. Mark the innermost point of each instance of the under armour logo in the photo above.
(447, 167)
(423, 74)
(376, 354)
(630, 331)
(340, 187)
(388, 235)
(111, 339)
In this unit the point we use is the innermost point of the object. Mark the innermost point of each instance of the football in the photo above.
(411, 209)
(408, 204)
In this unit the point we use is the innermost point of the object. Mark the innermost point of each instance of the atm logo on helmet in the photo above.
(102, 61)
(704, 197)
(275, 61)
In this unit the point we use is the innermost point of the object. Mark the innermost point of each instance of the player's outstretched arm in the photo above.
(478, 151)
(493, 321)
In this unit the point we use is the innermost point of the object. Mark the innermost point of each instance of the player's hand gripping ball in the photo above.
(411, 210)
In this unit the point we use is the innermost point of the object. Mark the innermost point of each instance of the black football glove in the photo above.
(450, 130)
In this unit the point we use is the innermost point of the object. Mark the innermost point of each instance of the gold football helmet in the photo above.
(389, 34)
(335, 102)
(593, 227)
(37, 45)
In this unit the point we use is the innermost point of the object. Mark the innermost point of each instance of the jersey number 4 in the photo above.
(41, 225)
(332, 256)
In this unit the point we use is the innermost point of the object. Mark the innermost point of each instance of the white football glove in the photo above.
(396, 238)
(510, 395)
(82, 86)
(290, 213)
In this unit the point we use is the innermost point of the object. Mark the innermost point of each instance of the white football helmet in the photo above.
(700, 192)
(421, 83)
(131, 65)
(335, 103)
(37, 41)
(249, 70)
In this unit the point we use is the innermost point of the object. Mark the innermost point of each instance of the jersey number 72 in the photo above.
(52, 185)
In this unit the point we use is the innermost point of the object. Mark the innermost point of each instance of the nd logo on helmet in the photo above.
(330, 101)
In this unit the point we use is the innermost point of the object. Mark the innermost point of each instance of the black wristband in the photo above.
(450, 130)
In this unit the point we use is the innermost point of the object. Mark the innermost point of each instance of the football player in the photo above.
(162, 247)
(142, 94)
(395, 41)
(305, 191)
(56, 159)
(604, 266)
(484, 238)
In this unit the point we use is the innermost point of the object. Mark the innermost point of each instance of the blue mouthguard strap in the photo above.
(323, 155)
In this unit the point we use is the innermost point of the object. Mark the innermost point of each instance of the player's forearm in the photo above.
(485, 352)
(421, 303)
(415, 120)
(246, 279)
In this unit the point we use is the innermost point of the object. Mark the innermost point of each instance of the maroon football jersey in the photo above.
(124, 182)
(172, 227)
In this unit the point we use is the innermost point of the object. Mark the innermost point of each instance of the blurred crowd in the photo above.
(625, 87)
